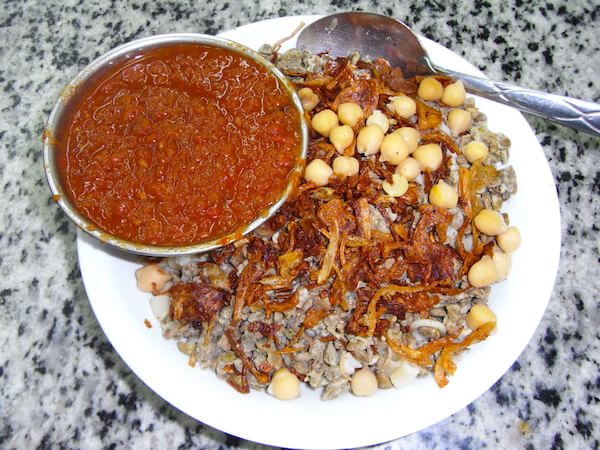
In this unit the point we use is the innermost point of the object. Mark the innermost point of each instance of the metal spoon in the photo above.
(377, 36)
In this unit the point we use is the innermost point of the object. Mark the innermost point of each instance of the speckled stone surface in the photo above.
(61, 383)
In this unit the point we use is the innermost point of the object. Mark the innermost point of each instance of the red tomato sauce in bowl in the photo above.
(182, 144)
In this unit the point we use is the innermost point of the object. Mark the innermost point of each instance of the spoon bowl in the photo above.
(371, 35)
(378, 36)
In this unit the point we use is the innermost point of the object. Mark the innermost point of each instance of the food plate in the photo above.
(347, 421)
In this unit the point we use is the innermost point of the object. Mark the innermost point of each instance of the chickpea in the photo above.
(478, 315)
(502, 263)
(151, 278)
(404, 106)
(429, 155)
(454, 94)
(346, 166)
(369, 139)
(459, 121)
(394, 149)
(482, 273)
(324, 121)
(380, 119)
(404, 374)
(411, 136)
(430, 89)
(308, 98)
(284, 385)
(510, 240)
(318, 172)
(475, 151)
(350, 113)
(363, 382)
(490, 222)
(159, 304)
(341, 136)
(410, 168)
(443, 195)
(397, 188)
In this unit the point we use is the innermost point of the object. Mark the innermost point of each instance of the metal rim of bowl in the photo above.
(119, 54)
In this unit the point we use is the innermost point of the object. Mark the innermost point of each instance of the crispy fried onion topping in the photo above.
(260, 376)
(447, 346)
(195, 302)
(444, 365)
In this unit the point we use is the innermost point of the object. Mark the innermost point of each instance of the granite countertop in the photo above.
(63, 386)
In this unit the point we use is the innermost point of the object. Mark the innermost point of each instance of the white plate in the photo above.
(347, 421)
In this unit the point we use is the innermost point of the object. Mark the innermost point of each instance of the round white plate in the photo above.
(347, 421)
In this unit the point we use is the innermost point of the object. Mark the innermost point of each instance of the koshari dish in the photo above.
(378, 269)
(185, 143)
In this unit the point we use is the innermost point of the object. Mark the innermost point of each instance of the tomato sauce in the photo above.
(184, 144)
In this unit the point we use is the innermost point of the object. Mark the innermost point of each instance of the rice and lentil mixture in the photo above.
(379, 268)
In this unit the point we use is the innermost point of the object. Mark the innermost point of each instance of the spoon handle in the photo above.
(578, 114)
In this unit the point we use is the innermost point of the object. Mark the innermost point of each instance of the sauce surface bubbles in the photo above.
(183, 144)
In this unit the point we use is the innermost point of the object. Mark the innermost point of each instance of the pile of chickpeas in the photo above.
(400, 147)
(491, 269)
(349, 131)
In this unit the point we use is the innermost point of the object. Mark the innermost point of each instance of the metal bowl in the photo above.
(72, 94)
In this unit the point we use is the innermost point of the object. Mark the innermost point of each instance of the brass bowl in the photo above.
(71, 96)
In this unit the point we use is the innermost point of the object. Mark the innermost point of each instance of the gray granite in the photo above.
(61, 383)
